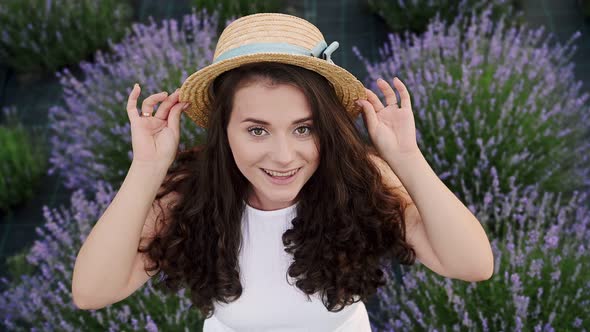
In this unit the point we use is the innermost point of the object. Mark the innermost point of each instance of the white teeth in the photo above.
(281, 174)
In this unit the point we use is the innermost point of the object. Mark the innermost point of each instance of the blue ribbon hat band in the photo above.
(321, 50)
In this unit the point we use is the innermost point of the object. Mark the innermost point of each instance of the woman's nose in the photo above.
(283, 151)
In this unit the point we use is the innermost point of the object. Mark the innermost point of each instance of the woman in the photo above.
(283, 219)
(333, 215)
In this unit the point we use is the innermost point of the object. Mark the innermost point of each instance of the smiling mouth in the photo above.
(281, 177)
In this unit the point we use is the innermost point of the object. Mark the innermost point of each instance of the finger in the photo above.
(174, 118)
(403, 92)
(132, 102)
(148, 104)
(165, 106)
(374, 100)
(370, 115)
(388, 92)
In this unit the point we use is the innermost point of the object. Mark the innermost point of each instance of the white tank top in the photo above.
(268, 303)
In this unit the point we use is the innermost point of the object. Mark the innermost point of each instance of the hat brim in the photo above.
(194, 89)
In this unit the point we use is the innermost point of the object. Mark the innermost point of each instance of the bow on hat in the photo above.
(323, 51)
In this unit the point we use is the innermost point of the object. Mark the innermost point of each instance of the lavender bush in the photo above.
(41, 300)
(540, 281)
(91, 136)
(44, 35)
(487, 99)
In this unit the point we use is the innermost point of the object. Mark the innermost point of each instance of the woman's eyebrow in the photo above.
(268, 124)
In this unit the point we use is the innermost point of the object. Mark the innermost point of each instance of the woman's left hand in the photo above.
(391, 128)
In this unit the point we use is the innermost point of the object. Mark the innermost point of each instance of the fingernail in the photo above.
(185, 106)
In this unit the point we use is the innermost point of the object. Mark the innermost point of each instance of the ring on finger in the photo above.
(146, 114)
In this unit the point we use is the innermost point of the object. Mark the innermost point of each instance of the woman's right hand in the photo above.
(155, 138)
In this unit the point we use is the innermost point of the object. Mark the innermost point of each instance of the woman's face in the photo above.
(284, 143)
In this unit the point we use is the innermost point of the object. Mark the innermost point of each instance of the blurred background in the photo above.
(500, 92)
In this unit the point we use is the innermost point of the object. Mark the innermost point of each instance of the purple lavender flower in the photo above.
(42, 301)
(490, 101)
(496, 118)
(160, 58)
(530, 277)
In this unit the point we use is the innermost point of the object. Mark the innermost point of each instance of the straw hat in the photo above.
(270, 37)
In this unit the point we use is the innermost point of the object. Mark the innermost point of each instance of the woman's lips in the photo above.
(278, 180)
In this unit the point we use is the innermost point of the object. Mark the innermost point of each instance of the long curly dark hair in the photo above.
(347, 223)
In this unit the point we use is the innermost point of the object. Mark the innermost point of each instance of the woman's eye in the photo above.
(304, 127)
(256, 130)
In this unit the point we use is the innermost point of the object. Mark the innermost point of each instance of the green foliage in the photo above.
(24, 161)
(415, 15)
(17, 265)
(232, 9)
(43, 36)
(585, 6)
